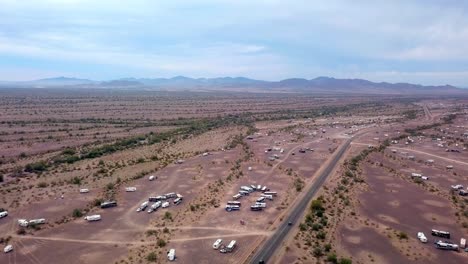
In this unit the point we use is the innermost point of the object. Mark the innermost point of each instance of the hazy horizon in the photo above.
(402, 41)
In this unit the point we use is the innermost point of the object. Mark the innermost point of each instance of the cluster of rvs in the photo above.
(218, 244)
(246, 190)
(160, 201)
(460, 189)
(446, 245)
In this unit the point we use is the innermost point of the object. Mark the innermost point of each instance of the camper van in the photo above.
(92, 218)
(108, 204)
(217, 243)
(439, 233)
(84, 190)
(229, 247)
(422, 237)
(3, 214)
(171, 254)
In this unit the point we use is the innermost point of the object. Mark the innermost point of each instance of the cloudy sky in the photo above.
(420, 41)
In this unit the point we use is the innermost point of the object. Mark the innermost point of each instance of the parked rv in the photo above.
(439, 233)
(229, 247)
(39, 221)
(91, 218)
(165, 205)
(271, 193)
(171, 255)
(261, 199)
(8, 249)
(268, 196)
(237, 196)
(3, 214)
(263, 205)
(177, 201)
(130, 189)
(155, 206)
(23, 222)
(234, 203)
(446, 245)
(422, 237)
(217, 243)
(244, 193)
(230, 208)
(152, 178)
(84, 190)
(143, 206)
(171, 195)
(108, 204)
(256, 208)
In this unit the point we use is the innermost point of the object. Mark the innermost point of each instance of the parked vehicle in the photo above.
(229, 247)
(462, 243)
(271, 193)
(39, 221)
(263, 205)
(259, 187)
(177, 201)
(230, 208)
(91, 218)
(463, 193)
(8, 249)
(261, 199)
(253, 187)
(237, 196)
(84, 190)
(155, 206)
(264, 189)
(152, 178)
(165, 205)
(143, 206)
(108, 204)
(422, 237)
(234, 203)
(217, 243)
(247, 189)
(439, 233)
(23, 222)
(130, 189)
(3, 214)
(268, 196)
(171, 195)
(244, 193)
(446, 245)
(256, 208)
(171, 255)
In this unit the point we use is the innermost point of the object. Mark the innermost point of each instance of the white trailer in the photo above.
(229, 247)
(84, 190)
(462, 243)
(143, 206)
(237, 196)
(155, 206)
(152, 178)
(230, 208)
(3, 214)
(261, 199)
(449, 167)
(234, 203)
(171, 255)
(130, 189)
(92, 218)
(37, 221)
(271, 193)
(165, 205)
(217, 243)
(268, 196)
(171, 195)
(263, 205)
(247, 189)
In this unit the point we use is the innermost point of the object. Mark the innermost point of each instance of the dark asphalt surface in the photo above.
(272, 244)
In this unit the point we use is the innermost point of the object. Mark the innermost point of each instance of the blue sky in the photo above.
(403, 41)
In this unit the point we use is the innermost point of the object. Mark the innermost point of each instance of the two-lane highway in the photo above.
(272, 244)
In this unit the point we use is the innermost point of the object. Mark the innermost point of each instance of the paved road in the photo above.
(272, 244)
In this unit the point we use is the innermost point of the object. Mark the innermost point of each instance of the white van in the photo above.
(151, 178)
(91, 218)
(422, 237)
(8, 248)
(3, 214)
(217, 243)
(130, 189)
(84, 190)
(171, 255)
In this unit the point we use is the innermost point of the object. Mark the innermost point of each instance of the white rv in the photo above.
(217, 243)
(37, 221)
(92, 218)
(165, 205)
(143, 206)
(8, 249)
(229, 247)
(3, 214)
(84, 190)
(23, 222)
(171, 255)
(130, 189)
(422, 237)
(152, 178)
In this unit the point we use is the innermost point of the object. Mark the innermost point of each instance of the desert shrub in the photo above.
(76, 180)
(39, 166)
(1, 177)
(152, 257)
(97, 202)
(21, 231)
(345, 261)
(402, 235)
(168, 215)
(161, 242)
(42, 185)
(110, 186)
(317, 252)
(332, 258)
(77, 213)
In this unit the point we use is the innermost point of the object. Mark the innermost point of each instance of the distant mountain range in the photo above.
(321, 85)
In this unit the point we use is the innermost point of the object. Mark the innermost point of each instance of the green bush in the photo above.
(161, 242)
(152, 257)
(345, 261)
(77, 213)
(332, 258)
